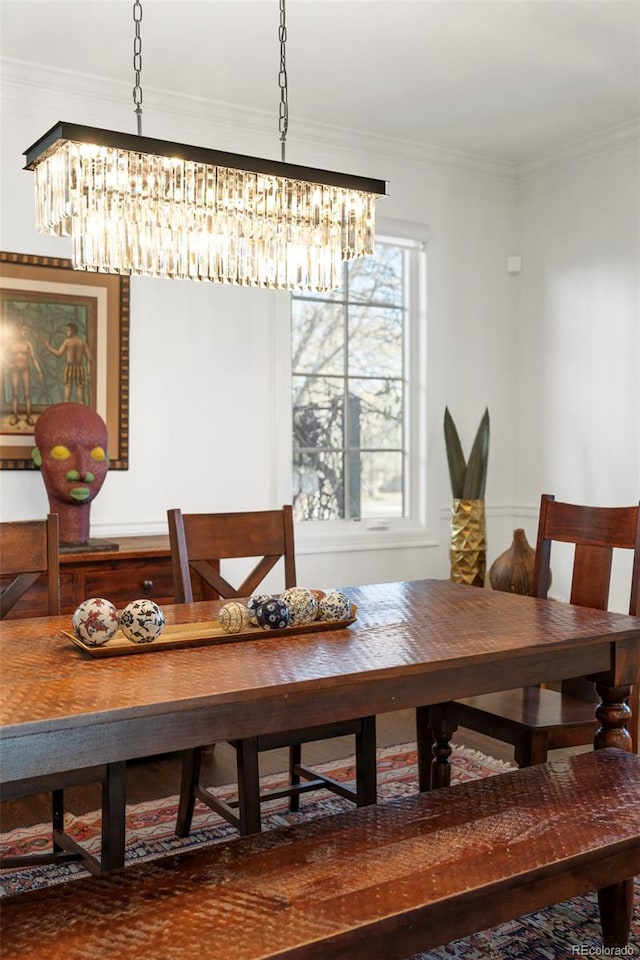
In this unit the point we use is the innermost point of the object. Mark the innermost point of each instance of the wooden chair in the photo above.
(198, 543)
(537, 719)
(28, 550)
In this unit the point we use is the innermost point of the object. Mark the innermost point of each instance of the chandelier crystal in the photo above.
(148, 207)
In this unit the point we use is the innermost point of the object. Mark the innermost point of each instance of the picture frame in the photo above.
(64, 336)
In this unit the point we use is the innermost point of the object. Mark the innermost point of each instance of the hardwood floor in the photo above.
(157, 777)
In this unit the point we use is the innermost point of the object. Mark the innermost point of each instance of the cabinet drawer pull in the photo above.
(147, 586)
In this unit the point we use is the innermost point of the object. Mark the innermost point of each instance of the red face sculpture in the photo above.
(72, 453)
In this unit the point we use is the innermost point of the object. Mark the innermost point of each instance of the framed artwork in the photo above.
(64, 336)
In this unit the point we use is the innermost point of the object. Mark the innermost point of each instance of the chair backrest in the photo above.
(596, 533)
(28, 549)
(199, 541)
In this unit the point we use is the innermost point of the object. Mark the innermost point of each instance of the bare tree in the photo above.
(347, 366)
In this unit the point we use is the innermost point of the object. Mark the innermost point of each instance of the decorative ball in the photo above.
(253, 603)
(334, 606)
(272, 615)
(95, 621)
(303, 606)
(142, 621)
(233, 617)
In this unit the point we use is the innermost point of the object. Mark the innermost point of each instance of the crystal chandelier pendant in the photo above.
(135, 205)
(146, 207)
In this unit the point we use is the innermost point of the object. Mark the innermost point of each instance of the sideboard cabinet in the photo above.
(140, 567)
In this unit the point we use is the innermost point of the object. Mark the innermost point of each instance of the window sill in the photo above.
(337, 537)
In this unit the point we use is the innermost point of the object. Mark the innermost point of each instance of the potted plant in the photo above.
(468, 549)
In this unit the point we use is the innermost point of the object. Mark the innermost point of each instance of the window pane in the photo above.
(375, 341)
(318, 486)
(350, 389)
(317, 334)
(379, 278)
(317, 412)
(381, 484)
(375, 413)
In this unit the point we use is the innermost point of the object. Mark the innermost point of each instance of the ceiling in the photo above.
(502, 79)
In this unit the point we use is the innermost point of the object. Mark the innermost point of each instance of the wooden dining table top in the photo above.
(412, 644)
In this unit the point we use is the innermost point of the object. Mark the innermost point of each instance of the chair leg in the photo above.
(57, 814)
(190, 777)
(531, 748)
(366, 763)
(441, 732)
(248, 786)
(295, 759)
(114, 806)
(634, 705)
(424, 746)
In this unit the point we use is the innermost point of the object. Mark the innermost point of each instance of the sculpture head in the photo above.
(71, 450)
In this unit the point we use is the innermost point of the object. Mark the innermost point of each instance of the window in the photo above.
(355, 372)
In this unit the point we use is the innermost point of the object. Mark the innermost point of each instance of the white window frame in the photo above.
(416, 529)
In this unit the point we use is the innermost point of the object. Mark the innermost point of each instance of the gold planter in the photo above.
(468, 549)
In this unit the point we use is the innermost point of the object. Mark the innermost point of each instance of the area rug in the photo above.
(565, 930)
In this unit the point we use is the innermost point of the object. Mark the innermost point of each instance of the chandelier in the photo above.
(146, 207)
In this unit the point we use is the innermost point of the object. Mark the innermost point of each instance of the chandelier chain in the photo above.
(283, 113)
(137, 63)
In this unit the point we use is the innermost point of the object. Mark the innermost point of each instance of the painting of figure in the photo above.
(64, 338)
(48, 345)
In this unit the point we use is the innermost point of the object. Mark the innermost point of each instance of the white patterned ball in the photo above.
(142, 621)
(233, 617)
(95, 621)
(334, 606)
(303, 606)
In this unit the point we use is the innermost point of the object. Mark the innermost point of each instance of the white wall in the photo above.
(209, 364)
(578, 310)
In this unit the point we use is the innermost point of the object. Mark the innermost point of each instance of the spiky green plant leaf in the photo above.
(455, 456)
(475, 479)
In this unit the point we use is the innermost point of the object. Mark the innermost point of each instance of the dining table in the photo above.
(407, 644)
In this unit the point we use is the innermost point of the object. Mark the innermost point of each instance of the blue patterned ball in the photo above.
(253, 603)
(272, 615)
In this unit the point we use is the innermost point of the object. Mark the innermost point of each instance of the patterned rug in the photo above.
(570, 929)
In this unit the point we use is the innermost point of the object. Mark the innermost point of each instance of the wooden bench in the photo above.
(380, 882)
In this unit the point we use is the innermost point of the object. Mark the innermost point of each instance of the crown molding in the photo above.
(604, 142)
(64, 89)
(21, 78)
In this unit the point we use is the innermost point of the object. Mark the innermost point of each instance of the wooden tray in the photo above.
(204, 633)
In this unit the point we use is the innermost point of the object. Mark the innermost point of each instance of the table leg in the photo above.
(614, 715)
(114, 806)
(248, 786)
(615, 902)
(616, 912)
